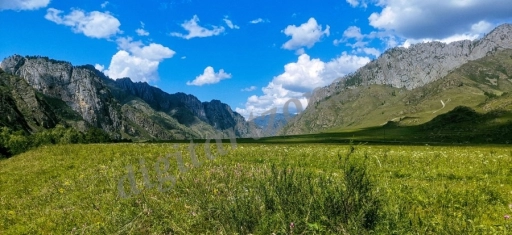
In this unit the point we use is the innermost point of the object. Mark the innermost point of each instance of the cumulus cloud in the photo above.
(196, 31)
(360, 41)
(298, 79)
(137, 61)
(99, 67)
(251, 88)
(355, 3)
(20, 5)
(419, 19)
(105, 4)
(259, 20)
(93, 24)
(141, 31)
(475, 32)
(353, 32)
(209, 76)
(230, 24)
(305, 35)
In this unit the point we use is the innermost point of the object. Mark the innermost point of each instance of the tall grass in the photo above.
(287, 199)
(258, 189)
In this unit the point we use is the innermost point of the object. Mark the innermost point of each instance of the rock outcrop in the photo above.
(421, 63)
(349, 101)
(83, 97)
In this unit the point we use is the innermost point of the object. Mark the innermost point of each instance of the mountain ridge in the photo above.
(436, 58)
(120, 107)
(369, 96)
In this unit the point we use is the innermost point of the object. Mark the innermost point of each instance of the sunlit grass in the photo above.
(423, 189)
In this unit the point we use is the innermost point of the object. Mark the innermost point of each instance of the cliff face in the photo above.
(349, 100)
(421, 63)
(78, 87)
(189, 110)
(82, 97)
(18, 100)
(222, 117)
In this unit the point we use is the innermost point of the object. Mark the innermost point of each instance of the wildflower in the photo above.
(292, 225)
(506, 217)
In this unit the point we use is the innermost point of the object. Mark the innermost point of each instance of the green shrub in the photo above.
(96, 135)
(286, 200)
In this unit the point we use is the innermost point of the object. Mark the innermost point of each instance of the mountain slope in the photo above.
(482, 84)
(412, 85)
(188, 110)
(272, 123)
(82, 97)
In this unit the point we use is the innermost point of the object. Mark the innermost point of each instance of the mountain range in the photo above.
(39, 93)
(402, 87)
(411, 86)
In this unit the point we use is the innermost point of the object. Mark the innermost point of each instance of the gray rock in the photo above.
(421, 63)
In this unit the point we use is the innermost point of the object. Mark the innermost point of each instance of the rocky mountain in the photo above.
(187, 109)
(272, 123)
(409, 81)
(39, 92)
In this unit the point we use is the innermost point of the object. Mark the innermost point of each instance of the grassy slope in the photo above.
(472, 85)
(73, 189)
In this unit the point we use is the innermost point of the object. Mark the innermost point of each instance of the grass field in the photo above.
(257, 188)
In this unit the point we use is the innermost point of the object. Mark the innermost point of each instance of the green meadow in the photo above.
(257, 188)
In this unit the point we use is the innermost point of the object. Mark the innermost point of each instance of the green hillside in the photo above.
(483, 85)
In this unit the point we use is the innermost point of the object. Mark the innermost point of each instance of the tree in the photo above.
(96, 135)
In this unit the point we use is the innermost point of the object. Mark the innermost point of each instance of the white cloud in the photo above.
(141, 31)
(209, 76)
(303, 75)
(195, 30)
(19, 5)
(136, 60)
(230, 24)
(99, 67)
(299, 78)
(361, 41)
(259, 20)
(93, 24)
(481, 27)
(251, 88)
(476, 31)
(371, 51)
(355, 3)
(300, 51)
(104, 4)
(305, 35)
(353, 32)
(418, 19)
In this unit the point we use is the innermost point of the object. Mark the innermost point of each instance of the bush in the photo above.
(12, 143)
(96, 135)
(287, 200)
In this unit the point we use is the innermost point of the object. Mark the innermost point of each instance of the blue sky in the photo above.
(252, 55)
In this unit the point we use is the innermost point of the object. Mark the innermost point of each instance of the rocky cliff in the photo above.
(421, 63)
(82, 97)
(394, 82)
(189, 110)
